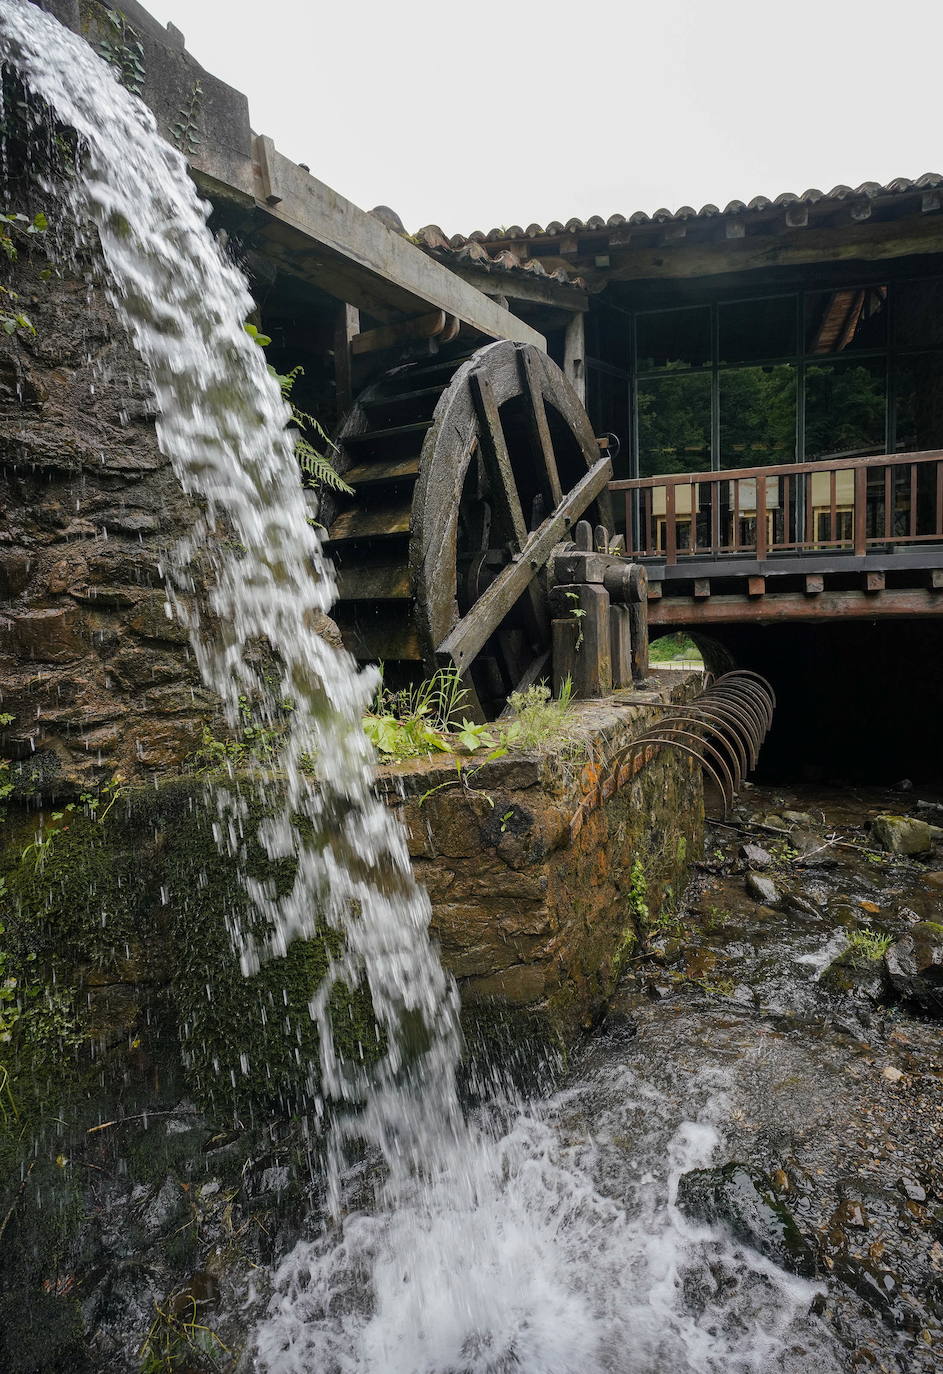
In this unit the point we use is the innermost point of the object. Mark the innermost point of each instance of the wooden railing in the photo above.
(861, 505)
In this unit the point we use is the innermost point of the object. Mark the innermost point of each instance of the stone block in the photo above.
(47, 636)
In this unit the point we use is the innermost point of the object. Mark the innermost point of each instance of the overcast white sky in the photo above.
(475, 115)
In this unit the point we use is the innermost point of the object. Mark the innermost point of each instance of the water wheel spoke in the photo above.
(540, 430)
(494, 450)
(473, 630)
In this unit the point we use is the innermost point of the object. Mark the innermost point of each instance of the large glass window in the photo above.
(674, 423)
(800, 376)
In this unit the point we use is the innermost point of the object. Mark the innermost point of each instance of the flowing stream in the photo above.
(513, 1239)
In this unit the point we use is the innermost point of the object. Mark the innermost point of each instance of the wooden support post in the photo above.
(345, 329)
(574, 353)
(814, 584)
(702, 588)
(564, 634)
(620, 645)
(756, 586)
(587, 605)
(874, 582)
(861, 512)
(639, 589)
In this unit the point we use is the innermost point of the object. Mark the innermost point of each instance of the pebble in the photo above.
(892, 1075)
(871, 908)
(912, 1190)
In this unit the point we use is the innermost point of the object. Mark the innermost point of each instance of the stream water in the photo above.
(533, 1236)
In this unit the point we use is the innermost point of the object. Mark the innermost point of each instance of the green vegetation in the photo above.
(317, 465)
(13, 319)
(868, 944)
(669, 647)
(177, 1341)
(124, 51)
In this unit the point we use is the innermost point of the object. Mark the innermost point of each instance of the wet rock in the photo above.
(912, 1190)
(851, 975)
(794, 901)
(756, 856)
(902, 834)
(762, 889)
(47, 636)
(878, 1287)
(736, 1197)
(915, 966)
(798, 818)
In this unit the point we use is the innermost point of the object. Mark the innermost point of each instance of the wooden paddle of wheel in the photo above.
(468, 474)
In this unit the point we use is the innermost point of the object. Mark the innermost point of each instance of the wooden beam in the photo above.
(346, 326)
(936, 580)
(874, 582)
(814, 584)
(702, 588)
(896, 604)
(756, 586)
(873, 241)
(391, 335)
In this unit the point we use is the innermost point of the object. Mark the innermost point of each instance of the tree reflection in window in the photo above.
(674, 423)
(758, 416)
(844, 408)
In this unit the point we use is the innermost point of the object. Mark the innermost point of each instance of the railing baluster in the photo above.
(671, 533)
(888, 503)
(692, 523)
(649, 495)
(811, 533)
(787, 508)
(913, 500)
(735, 522)
(715, 490)
(938, 527)
(761, 532)
(861, 511)
(832, 518)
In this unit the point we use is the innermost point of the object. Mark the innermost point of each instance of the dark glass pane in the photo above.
(918, 394)
(918, 313)
(673, 338)
(674, 424)
(844, 408)
(758, 416)
(852, 318)
(750, 330)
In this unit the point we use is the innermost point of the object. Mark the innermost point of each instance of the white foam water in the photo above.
(498, 1244)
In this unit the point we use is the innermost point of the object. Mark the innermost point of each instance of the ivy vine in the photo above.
(125, 52)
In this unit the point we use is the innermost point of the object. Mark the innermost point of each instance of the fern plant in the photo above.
(317, 466)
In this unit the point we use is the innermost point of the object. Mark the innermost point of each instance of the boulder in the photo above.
(902, 834)
(741, 1199)
(915, 966)
(762, 889)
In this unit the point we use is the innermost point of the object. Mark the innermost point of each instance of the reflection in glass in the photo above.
(673, 338)
(918, 395)
(850, 319)
(758, 416)
(918, 313)
(674, 424)
(750, 330)
(845, 408)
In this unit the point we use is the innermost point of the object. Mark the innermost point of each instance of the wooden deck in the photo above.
(858, 537)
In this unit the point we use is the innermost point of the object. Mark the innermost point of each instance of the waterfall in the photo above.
(488, 1245)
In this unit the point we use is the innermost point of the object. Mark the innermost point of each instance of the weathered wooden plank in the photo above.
(540, 430)
(373, 638)
(894, 604)
(756, 586)
(874, 582)
(371, 523)
(504, 494)
(380, 474)
(702, 588)
(391, 335)
(620, 645)
(387, 581)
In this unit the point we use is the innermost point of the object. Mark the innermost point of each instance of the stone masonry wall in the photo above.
(529, 910)
(97, 678)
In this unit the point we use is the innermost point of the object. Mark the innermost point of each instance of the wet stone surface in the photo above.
(829, 1048)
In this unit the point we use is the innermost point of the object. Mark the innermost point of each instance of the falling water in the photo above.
(487, 1246)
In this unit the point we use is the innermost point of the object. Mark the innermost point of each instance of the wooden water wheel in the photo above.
(467, 474)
